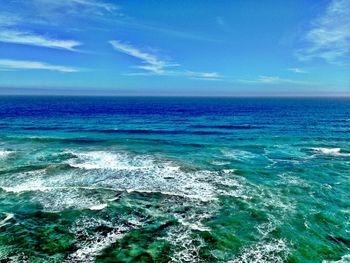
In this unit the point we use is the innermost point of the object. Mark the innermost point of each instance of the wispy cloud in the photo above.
(26, 38)
(83, 5)
(95, 4)
(67, 13)
(52, 10)
(8, 64)
(329, 36)
(151, 62)
(7, 19)
(203, 75)
(297, 70)
(274, 80)
(153, 65)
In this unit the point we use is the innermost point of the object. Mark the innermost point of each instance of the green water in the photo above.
(176, 180)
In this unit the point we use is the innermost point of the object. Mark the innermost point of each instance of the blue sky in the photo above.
(182, 47)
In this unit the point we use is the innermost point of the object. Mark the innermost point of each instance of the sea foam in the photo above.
(264, 252)
(8, 217)
(96, 177)
(327, 150)
(4, 154)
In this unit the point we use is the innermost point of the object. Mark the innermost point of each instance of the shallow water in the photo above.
(174, 180)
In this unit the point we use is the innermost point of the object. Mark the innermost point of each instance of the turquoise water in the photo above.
(174, 180)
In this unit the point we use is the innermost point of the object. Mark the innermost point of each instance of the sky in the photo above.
(175, 47)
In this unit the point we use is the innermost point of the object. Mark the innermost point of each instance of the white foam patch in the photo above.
(330, 151)
(238, 155)
(109, 161)
(263, 252)
(186, 245)
(75, 198)
(219, 163)
(344, 259)
(99, 175)
(4, 154)
(92, 245)
(98, 207)
(193, 220)
(8, 217)
(327, 150)
(27, 186)
(90, 249)
(145, 174)
(109, 173)
(266, 228)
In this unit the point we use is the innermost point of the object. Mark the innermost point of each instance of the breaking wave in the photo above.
(264, 252)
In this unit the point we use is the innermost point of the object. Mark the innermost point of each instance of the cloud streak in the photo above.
(203, 75)
(274, 80)
(87, 5)
(329, 36)
(95, 4)
(7, 19)
(151, 62)
(25, 38)
(8, 65)
(153, 65)
(297, 70)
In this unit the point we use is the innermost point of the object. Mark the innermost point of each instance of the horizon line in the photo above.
(177, 96)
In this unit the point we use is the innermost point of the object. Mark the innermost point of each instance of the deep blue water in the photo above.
(126, 179)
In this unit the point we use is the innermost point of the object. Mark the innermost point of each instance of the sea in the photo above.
(168, 179)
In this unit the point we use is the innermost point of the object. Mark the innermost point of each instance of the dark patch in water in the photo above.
(21, 169)
(228, 127)
(64, 140)
(339, 240)
(160, 132)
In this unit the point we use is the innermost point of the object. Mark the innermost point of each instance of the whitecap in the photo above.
(90, 249)
(333, 151)
(4, 154)
(109, 172)
(92, 244)
(98, 207)
(238, 155)
(144, 174)
(344, 259)
(219, 163)
(8, 217)
(185, 245)
(228, 171)
(194, 226)
(104, 161)
(263, 252)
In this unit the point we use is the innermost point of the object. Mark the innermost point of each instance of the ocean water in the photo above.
(99, 179)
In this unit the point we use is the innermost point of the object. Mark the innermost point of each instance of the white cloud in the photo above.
(152, 63)
(297, 70)
(82, 7)
(203, 75)
(8, 64)
(274, 80)
(329, 36)
(95, 4)
(7, 19)
(26, 38)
